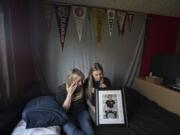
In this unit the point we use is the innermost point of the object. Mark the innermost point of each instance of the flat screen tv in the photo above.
(166, 66)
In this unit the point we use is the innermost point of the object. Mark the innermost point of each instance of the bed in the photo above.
(20, 129)
(144, 118)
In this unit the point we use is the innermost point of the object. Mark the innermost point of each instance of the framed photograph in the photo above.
(110, 106)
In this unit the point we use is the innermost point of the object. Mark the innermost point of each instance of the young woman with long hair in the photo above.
(70, 96)
(95, 80)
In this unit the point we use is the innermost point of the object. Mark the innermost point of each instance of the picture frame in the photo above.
(111, 107)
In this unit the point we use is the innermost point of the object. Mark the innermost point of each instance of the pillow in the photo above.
(43, 111)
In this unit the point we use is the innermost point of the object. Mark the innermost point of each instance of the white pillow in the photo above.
(20, 129)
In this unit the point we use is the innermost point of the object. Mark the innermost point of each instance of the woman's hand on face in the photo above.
(102, 85)
(71, 89)
(93, 109)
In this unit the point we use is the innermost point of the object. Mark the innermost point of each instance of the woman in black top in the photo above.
(94, 81)
(70, 96)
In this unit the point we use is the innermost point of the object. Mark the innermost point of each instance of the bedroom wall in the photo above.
(161, 38)
(115, 54)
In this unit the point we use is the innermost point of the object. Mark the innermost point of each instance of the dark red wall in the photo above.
(161, 38)
(21, 44)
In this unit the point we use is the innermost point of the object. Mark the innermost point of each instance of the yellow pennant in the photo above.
(98, 20)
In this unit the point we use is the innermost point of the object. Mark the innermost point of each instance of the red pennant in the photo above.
(121, 19)
(62, 14)
(130, 20)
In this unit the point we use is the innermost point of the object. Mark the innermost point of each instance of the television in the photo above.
(166, 66)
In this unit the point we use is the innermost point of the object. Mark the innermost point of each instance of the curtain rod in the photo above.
(63, 3)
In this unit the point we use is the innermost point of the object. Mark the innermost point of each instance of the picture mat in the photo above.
(120, 111)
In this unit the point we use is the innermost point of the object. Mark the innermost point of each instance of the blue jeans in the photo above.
(82, 126)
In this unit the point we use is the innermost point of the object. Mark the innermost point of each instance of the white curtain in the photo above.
(119, 55)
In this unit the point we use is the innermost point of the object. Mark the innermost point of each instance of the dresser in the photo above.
(165, 97)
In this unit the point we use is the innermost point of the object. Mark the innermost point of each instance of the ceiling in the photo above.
(159, 7)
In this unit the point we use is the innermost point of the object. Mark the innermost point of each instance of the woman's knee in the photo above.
(71, 129)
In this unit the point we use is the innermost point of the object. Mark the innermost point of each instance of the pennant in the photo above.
(62, 14)
(130, 20)
(98, 19)
(48, 13)
(121, 19)
(79, 14)
(111, 17)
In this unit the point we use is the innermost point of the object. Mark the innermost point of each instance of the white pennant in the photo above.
(111, 17)
(79, 14)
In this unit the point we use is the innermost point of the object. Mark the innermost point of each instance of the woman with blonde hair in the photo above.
(70, 96)
(95, 80)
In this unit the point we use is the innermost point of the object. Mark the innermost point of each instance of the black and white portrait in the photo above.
(110, 107)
